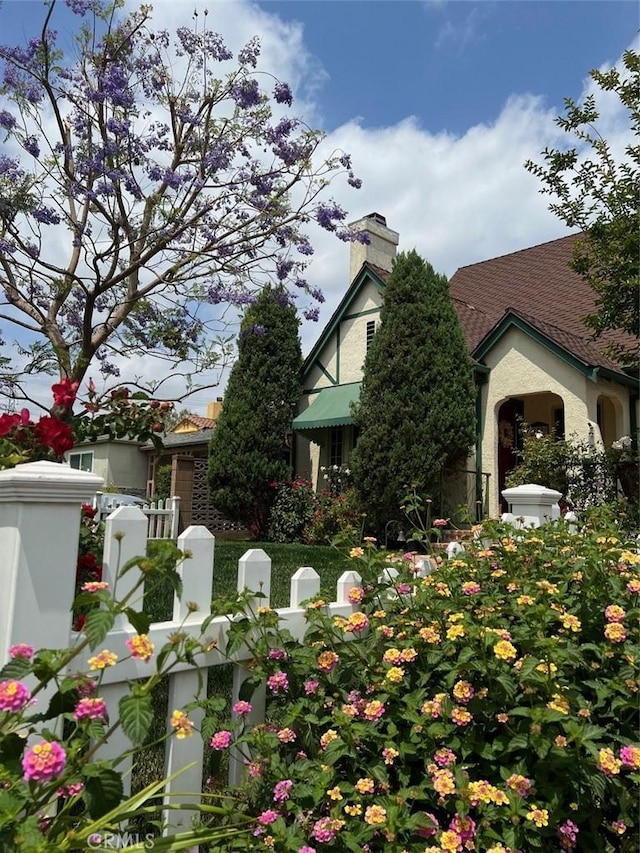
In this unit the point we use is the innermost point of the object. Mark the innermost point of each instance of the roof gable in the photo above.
(368, 273)
(538, 284)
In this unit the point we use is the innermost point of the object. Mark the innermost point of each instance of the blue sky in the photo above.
(454, 64)
(439, 103)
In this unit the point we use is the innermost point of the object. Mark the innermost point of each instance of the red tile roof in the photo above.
(537, 284)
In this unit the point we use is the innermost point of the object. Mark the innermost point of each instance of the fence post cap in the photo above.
(51, 482)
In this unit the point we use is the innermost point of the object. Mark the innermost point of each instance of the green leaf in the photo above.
(136, 716)
(97, 626)
(102, 791)
(15, 669)
(140, 621)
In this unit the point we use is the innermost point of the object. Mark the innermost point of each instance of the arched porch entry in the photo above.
(609, 416)
(543, 412)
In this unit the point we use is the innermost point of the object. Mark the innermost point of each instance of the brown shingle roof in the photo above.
(538, 284)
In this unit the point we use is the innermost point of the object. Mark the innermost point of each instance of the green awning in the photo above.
(331, 407)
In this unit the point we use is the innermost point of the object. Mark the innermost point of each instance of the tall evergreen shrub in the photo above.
(248, 453)
(416, 412)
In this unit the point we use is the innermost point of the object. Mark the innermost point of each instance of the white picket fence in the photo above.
(39, 525)
(163, 516)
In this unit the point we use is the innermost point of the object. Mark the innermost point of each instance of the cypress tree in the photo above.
(248, 452)
(416, 412)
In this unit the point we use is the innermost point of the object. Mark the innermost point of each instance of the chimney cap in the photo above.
(377, 217)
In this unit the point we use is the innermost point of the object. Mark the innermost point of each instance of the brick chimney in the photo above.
(381, 249)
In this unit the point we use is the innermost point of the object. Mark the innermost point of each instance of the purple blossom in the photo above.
(282, 94)
(249, 54)
(278, 682)
(312, 314)
(328, 214)
(246, 94)
(283, 268)
(7, 120)
(80, 7)
(46, 215)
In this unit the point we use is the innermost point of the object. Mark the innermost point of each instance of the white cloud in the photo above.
(456, 199)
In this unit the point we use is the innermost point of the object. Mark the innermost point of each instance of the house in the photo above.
(533, 359)
(132, 467)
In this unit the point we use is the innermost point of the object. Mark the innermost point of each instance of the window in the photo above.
(371, 330)
(335, 447)
(82, 461)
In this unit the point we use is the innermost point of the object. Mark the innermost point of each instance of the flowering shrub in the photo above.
(292, 510)
(55, 792)
(490, 706)
(336, 516)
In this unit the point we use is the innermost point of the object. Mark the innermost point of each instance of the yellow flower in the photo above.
(334, 793)
(353, 810)
(182, 724)
(102, 660)
(455, 631)
(365, 786)
(395, 675)
(450, 841)
(504, 650)
(539, 816)
(429, 634)
(375, 815)
(354, 553)
(559, 703)
(572, 623)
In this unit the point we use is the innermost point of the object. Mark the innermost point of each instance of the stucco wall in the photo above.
(121, 464)
(521, 366)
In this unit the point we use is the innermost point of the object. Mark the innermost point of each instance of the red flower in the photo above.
(54, 434)
(10, 422)
(64, 393)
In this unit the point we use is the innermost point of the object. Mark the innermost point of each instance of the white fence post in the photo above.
(532, 503)
(197, 578)
(254, 573)
(305, 583)
(39, 529)
(125, 537)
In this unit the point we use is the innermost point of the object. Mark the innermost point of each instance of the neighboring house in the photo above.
(533, 359)
(131, 467)
(119, 462)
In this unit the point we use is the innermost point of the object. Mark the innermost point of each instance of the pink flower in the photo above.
(277, 682)
(306, 849)
(220, 740)
(94, 586)
(286, 735)
(14, 696)
(277, 654)
(324, 830)
(242, 708)
(267, 817)
(90, 709)
(281, 790)
(470, 588)
(44, 761)
(630, 756)
(567, 835)
(464, 826)
(440, 522)
(22, 650)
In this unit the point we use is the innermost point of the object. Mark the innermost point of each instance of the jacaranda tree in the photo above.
(249, 451)
(416, 409)
(147, 180)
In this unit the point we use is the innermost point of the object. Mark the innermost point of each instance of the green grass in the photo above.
(285, 560)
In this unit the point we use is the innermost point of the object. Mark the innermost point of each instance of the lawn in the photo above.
(285, 560)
